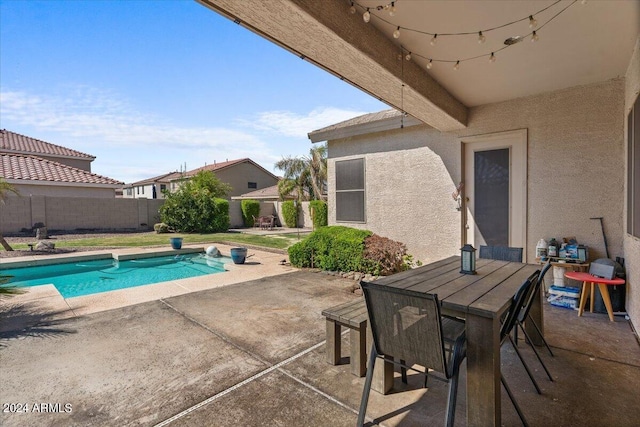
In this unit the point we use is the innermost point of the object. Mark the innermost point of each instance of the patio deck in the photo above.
(252, 354)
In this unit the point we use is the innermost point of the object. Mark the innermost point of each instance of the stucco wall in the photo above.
(575, 149)
(63, 191)
(239, 175)
(632, 244)
(74, 163)
(72, 213)
(410, 175)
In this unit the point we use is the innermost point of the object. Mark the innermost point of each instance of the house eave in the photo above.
(389, 123)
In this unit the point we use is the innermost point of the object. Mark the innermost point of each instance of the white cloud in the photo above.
(296, 125)
(84, 112)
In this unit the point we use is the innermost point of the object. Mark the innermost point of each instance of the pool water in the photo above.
(90, 277)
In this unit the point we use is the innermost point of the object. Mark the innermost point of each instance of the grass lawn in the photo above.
(154, 239)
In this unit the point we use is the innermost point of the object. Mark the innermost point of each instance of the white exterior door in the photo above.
(495, 189)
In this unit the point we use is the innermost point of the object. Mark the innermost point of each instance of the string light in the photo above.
(481, 37)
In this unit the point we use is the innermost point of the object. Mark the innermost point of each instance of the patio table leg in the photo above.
(483, 371)
(334, 343)
(383, 372)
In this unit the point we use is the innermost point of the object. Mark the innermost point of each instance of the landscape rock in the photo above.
(45, 246)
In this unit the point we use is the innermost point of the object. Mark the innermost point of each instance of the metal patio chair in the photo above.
(408, 326)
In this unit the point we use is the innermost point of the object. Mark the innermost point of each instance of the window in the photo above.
(129, 191)
(142, 189)
(350, 194)
(137, 190)
(163, 187)
(633, 170)
(253, 185)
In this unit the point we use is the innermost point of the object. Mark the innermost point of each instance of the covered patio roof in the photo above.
(577, 44)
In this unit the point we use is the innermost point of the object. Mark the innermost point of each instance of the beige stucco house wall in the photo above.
(61, 190)
(240, 175)
(632, 244)
(75, 162)
(575, 141)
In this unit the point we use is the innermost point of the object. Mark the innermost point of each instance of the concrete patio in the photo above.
(252, 354)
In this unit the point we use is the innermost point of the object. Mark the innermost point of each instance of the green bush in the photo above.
(290, 214)
(333, 248)
(250, 210)
(320, 213)
(197, 207)
(161, 227)
(339, 248)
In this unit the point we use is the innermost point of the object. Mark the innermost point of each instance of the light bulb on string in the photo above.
(408, 57)
(534, 37)
(492, 58)
(532, 22)
(366, 16)
(457, 66)
(352, 9)
(583, 2)
(396, 33)
(481, 38)
(434, 40)
(430, 64)
(392, 9)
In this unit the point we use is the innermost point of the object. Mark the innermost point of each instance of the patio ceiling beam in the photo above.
(327, 35)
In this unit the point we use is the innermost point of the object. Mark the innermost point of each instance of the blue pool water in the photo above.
(90, 277)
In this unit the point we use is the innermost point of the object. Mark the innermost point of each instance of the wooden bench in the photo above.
(352, 315)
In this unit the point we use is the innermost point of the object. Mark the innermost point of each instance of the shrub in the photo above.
(383, 256)
(320, 213)
(338, 248)
(290, 214)
(196, 206)
(161, 227)
(250, 210)
(330, 248)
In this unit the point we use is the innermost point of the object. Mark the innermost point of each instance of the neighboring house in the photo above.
(242, 175)
(151, 188)
(38, 168)
(269, 194)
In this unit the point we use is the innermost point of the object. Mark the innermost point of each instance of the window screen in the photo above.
(350, 192)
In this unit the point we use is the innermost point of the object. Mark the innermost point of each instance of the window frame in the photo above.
(633, 170)
(353, 190)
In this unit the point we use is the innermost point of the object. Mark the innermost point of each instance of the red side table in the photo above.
(591, 280)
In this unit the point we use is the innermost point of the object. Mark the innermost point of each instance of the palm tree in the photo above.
(306, 175)
(5, 187)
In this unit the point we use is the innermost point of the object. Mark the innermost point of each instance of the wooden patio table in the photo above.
(481, 299)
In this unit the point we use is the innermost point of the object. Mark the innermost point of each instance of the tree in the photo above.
(306, 175)
(198, 205)
(5, 188)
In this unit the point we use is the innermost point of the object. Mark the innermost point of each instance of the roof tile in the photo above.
(33, 168)
(14, 142)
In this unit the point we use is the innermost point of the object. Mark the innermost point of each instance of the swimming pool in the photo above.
(80, 278)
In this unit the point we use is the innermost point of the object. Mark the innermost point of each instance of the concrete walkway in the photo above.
(252, 354)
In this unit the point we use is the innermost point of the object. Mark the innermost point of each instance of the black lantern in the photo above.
(468, 259)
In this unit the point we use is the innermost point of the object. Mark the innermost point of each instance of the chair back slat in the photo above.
(518, 304)
(501, 253)
(534, 289)
(406, 325)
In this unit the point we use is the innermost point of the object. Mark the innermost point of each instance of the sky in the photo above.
(154, 86)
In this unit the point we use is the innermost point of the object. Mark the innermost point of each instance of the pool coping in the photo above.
(45, 297)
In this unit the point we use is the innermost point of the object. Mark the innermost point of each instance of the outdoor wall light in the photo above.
(468, 259)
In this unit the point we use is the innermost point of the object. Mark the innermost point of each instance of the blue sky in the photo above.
(147, 86)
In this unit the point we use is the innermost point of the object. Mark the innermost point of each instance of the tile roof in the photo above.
(16, 143)
(267, 193)
(32, 168)
(217, 166)
(167, 177)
